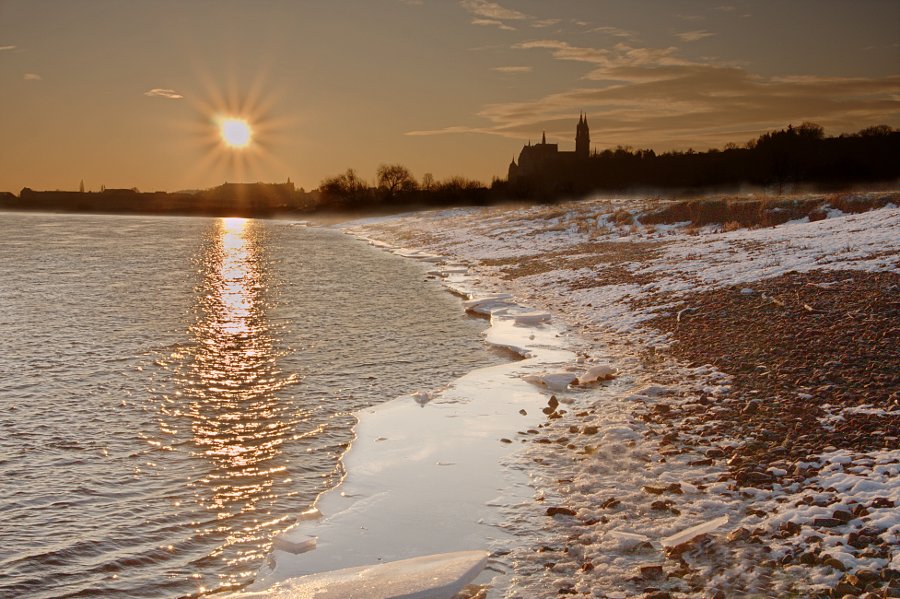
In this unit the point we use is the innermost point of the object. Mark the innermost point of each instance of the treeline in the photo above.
(394, 186)
(791, 156)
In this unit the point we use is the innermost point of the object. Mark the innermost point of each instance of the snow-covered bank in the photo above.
(633, 466)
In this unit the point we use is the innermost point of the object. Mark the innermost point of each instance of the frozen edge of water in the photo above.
(444, 467)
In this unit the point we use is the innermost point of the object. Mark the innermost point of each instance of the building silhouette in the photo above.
(545, 162)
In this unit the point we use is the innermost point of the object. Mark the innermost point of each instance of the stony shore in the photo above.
(756, 402)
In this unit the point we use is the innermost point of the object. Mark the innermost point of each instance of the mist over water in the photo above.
(175, 391)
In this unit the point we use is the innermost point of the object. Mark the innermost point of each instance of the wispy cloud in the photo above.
(614, 31)
(693, 36)
(492, 10)
(492, 23)
(540, 23)
(565, 51)
(2, 48)
(159, 92)
(32, 77)
(513, 69)
(652, 97)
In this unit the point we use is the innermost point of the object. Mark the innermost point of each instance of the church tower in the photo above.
(582, 138)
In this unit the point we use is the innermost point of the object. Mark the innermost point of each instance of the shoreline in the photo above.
(459, 489)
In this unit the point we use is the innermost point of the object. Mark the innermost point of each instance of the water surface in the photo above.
(175, 391)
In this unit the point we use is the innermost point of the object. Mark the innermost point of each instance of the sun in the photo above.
(235, 132)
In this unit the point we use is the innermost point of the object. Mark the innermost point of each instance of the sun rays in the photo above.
(236, 130)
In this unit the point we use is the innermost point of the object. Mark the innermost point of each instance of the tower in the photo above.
(582, 138)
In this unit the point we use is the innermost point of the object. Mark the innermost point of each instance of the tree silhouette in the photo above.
(395, 180)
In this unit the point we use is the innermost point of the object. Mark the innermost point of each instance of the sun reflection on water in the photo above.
(230, 390)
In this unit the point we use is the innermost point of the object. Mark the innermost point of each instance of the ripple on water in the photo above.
(180, 389)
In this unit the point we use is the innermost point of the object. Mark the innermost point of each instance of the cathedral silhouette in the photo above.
(545, 161)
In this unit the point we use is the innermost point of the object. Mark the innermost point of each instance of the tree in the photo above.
(395, 180)
(347, 190)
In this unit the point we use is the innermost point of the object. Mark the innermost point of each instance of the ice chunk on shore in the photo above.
(531, 318)
(600, 372)
(689, 534)
(627, 540)
(489, 303)
(427, 577)
(555, 381)
(294, 544)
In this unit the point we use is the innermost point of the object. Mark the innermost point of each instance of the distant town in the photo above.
(540, 172)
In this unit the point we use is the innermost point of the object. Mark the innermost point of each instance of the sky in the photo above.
(127, 94)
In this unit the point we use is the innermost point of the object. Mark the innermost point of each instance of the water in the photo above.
(175, 391)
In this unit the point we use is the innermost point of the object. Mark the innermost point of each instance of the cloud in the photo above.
(159, 92)
(492, 10)
(513, 69)
(565, 51)
(693, 36)
(492, 23)
(2, 48)
(32, 77)
(613, 31)
(539, 23)
(652, 97)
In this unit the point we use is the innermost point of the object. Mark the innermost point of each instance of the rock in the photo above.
(751, 407)
(553, 511)
(866, 577)
(587, 567)
(589, 430)
(738, 534)
(749, 478)
(714, 452)
(610, 503)
(505, 440)
(651, 570)
(523, 412)
(843, 588)
(789, 528)
(553, 402)
(842, 515)
(809, 558)
(859, 541)
(880, 502)
(834, 563)
(826, 522)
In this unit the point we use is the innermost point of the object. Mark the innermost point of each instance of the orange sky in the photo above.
(127, 94)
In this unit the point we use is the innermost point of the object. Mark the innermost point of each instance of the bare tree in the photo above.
(346, 190)
(395, 180)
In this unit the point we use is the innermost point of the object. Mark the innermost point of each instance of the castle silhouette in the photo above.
(543, 160)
